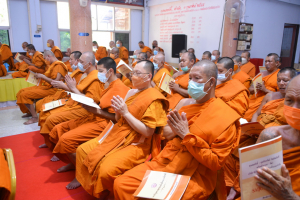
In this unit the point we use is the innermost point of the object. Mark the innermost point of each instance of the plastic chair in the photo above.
(11, 165)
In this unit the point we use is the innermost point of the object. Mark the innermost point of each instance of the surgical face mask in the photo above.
(31, 54)
(155, 66)
(138, 81)
(185, 69)
(81, 67)
(25, 49)
(213, 57)
(48, 45)
(74, 67)
(102, 77)
(155, 52)
(196, 90)
(134, 56)
(222, 77)
(244, 60)
(118, 45)
(94, 48)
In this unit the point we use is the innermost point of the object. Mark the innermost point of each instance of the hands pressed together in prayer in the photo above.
(178, 123)
(57, 84)
(119, 105)
(173, 86)
(71, 82)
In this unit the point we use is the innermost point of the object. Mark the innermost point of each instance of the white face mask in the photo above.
(213, 57)
(223, 77)
(94, 48)
(244, 61)
(31, 54)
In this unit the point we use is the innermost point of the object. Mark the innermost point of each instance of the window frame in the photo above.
(8, 28)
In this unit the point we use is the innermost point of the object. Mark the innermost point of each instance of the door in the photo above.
(289, 45)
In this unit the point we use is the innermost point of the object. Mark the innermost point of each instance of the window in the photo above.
(63, 15)
(4, 21)
(65, 40)
(124, 37)
(122, 19)
(4, 37)
(102, 38)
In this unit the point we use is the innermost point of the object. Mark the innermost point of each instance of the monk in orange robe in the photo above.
(124, 54)
(55, 49)
(269, 84)
(7, 56)
(231, 91)
(21, 57)
(139, 118)
(206, 55)
(5, 180)
(90, 87)
(69, 135)
(191, 50)
(196, 148)
(215, 55)
(240, 75)
(155, 45)
(179, 87)
(62, 87)
(67, 63)
(247, 66)
(56, 71)
(100, 51)
(3, 71)
(145, 49)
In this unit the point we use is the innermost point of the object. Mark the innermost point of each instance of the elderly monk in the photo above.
(90, 87)
(69, 135)
(56, 71)
(240, 75)
(67, 63)
(231, 91)
(154, 45)
(111, 44)
(115, 55)
(269, 84)
(270, 112)
(192, 50)
(134, 56)
(196, 148)
(215, 56)
(247, 66)
(124, 54)
(145, 49)
(58, 54)
(100, 51)
(137, 132)
(3, 71)
(180, 86)
(7, 56)
(206, 55)
(62, 87)
(21, 57)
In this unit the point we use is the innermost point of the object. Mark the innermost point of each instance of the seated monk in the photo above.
(200, 138)
(134, 56)
(206, 55)
(192, 50)
(100, 51)
(112, 44)
(55, 49)
(240, 75)
(67, 63)
(7, 56)
(90, 87)
(67, 136)
(179, 87)
(25, 97)
(231, 91)
(139, 118)
(145, 49)
(22, 67)
(247, 66)
(154, 46)
(166, 65)
(60, 85)
(3, 71)
(215, 55)
(270, 112)
(124, 54)
(114, 54)
(269, 85)
(21, 57)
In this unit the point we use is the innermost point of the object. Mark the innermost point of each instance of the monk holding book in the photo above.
(239, 74)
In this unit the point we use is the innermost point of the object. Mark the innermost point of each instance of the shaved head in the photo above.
(210, 68)
(228, 62)
(237, 58)
(191, 50)
(207, 53)
(216, 52)
(50, 41)
(89, 57)
(69, 50)
(148, 66)
(24, 44)
(160, 57)
(115, 50)
(143, 56)
(136, 52)
(48, 53)
(292, 71)
(292, 96)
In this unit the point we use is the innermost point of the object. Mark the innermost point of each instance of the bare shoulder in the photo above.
(275, 95)
(177, 74)
(269, 133)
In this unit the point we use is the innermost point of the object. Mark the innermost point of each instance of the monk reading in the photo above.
(179, 87)
(21, 57)
(231, 91)
(145, 49)
(58, 54)
(130, 141)
(22, 67)
(200, 138)
(155, 45)
(269, 84)
(206, 55)
(124, 54)
(7, 56)
(240, 75)
(67, 63)
(247, 66)
(69, 135)
(215, 55)
(56, 71)
(3, 71)
(192, 50)
(100, 51)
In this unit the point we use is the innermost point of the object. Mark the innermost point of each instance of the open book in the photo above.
(255, 80)
(162, 185)
(17, 57)
(54, 104)
(123, 68)
(31, 79)
(254, 157)
(252, 128)
(84, 100)
(164, 83)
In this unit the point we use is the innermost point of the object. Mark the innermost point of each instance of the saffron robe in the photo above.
(157, 77)
(18, 64)
(124, 54)
(67, 63)
(40, 63)
(57, 53)
(100, 53)
(200, 154)
(7, 56)
(244, 78)
(22, 67)
(5, 180)
(146, 49)
(3, 71)
(249, 68)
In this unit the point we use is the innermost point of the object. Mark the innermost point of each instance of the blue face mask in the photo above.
(134, 56)
(118, 45)
(185, 69)
(102, 77)
(213, 57)
(222, 77)
(155, 52)
(81, 67)
(74, 67)
(155, 66)
(196, 90)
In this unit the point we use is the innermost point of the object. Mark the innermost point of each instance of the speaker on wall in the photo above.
(179, 42)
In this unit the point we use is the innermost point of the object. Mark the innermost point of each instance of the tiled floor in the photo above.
(11, 122)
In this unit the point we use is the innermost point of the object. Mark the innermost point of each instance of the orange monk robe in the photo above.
(117, 60)
(27, 95)
(7, 56)
(124, 54)
(200, 154)
(3, 71)
(58, 54)
(98, 165)
(174, 98)
(5, 181)
(243, 78)
(18, 64)
(249, 68)
(146, 49)
(255, 101)
(157, 77)
(160, 49)
(197, 60)
(67, 63)
(60, 94)
(90, 86)
(272, 114)
(166, 65)
(69, 135)
(100, 53)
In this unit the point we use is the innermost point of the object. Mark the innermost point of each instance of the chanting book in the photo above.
(84, 100)
(252, 128)
(162, 185)
(17, 57)
(164, 83)
(254, 157)
(31, 79)
(123, 68)
(257, 79)
(54, 104)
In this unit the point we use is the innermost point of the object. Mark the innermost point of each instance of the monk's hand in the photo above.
(91, 109)
(57, 84)
(22, 57)
(262, 87)
(27, 61)
(119, 105)
(39, 75)
(178, 123)
(71, 82)
(173, 86)
(279, 186)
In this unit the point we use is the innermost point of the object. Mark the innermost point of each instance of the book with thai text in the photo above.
(164, 83)
(123, 68)
(31, 79)
(257, 79)
(54, 104)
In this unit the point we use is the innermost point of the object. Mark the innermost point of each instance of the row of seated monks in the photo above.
(199, 122)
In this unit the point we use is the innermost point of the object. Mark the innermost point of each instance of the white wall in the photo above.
(136, 28)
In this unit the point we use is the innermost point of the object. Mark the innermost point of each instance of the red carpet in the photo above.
(36, 174)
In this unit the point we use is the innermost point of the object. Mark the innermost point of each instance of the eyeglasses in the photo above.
(134, 73)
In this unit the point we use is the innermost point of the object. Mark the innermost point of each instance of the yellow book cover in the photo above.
(123, 68)
(54, 104)
(257, 79)
(164, 83)
(31, 79)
